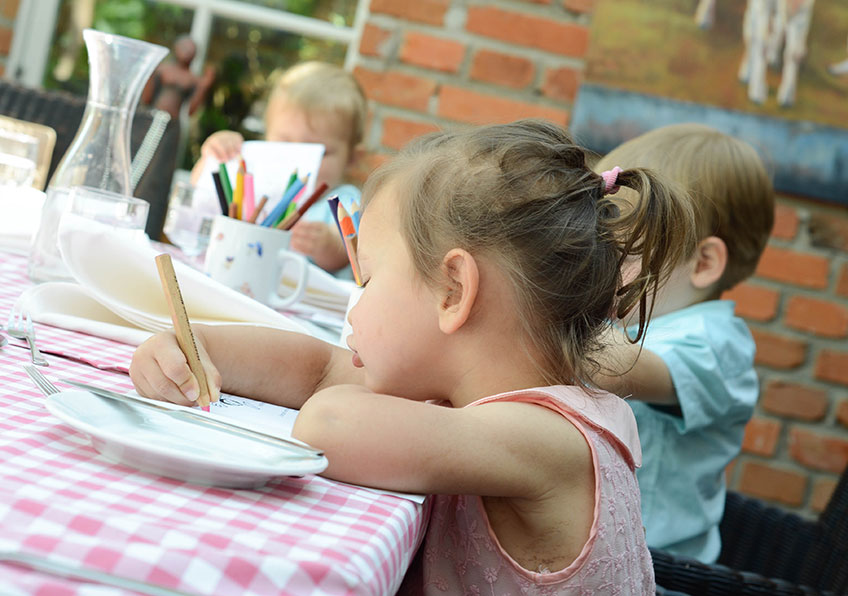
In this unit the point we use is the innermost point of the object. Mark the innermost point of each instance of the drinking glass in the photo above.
(188, 222)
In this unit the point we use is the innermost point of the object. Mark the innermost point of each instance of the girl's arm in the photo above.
(497, 449)
(267, 364)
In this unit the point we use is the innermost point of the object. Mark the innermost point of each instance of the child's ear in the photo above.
(710, 262)
(458, 292)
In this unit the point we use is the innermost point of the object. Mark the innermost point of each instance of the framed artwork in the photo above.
(772, 72)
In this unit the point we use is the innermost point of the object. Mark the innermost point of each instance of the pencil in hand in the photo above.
(182, 327)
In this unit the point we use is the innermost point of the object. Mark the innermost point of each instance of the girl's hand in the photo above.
(321, 242)
(223, 145)
(159, 370)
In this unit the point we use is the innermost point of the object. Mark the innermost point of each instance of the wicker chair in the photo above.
(63, 112)
(766, 550)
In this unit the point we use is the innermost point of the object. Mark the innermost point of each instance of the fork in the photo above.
(43, 383)
(15, 328)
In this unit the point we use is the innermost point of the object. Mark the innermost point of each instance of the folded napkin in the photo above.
(119, 294)
(21, 209)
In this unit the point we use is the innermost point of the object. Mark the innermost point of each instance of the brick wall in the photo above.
(8, 12)
(426, 64)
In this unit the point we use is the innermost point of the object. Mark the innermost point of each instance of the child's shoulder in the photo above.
(584, 409)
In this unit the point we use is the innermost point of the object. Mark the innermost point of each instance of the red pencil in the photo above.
(292, 219)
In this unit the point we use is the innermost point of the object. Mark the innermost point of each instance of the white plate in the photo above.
(157, 442)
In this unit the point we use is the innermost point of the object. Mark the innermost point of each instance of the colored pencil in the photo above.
(258, 209)
(225, 182)
(292, 219)
(219, 190)
(247, 206)
(238, 192)
(349, 238)
(182, 327)
(280, 208)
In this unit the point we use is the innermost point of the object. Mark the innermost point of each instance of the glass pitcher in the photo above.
(99, 155)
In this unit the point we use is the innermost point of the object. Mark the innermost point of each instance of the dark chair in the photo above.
(63, 112)
(766, 550)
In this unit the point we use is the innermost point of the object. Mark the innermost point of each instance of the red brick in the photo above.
(397, 132)
(538, 1)
(792, 267)
(561, 83)
(374, 41)
(776, 484)
(794, 400)
(832, 366)
(785, 223)
(460, 104)
(818, 451)
(821, 317)
(10, 9)
(5, 40)
(396, 89)
(428, 51)
(842, 284)
(579, 5)
(761, 436)
(728, 471)
(829, 230)
(431, 12)
(753, 301)
(842, 413)
(822, 491)
(778, 351)
(547, 34)
(502, 69)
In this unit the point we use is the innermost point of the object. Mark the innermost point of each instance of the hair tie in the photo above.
(610, 176)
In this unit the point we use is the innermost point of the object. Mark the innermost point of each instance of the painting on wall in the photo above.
(773, 72)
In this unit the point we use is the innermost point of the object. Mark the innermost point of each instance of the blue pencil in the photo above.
(280, 208)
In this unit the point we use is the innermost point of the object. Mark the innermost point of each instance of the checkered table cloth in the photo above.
(74, 523)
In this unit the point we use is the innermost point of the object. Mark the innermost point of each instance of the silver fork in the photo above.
(20, 328)
(43, 383)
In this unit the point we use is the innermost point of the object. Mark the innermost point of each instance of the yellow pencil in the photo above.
(182, 327)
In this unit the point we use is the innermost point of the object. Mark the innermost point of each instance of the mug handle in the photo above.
(277, 301)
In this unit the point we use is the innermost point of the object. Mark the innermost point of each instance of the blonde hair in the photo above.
(318, 87)
(521, 196)
(732, 192)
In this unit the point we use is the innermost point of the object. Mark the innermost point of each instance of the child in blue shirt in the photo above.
(692, 384)
(312, 102)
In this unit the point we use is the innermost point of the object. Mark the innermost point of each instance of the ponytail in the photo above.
(659, 228)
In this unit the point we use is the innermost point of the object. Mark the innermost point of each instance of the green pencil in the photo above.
(225, 182)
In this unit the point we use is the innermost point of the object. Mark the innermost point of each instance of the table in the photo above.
(65, 509)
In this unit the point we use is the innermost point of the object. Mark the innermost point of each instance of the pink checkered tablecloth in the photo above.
(72, 522)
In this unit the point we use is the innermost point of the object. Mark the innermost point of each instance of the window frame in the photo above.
(35, 26)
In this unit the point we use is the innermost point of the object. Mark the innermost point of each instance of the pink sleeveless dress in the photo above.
(461, 555)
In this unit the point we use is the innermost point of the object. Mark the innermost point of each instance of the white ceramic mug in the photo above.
(253, 259)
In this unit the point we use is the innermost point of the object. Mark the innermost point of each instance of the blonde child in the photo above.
(694, 376)
(312, 102)
(491, 261)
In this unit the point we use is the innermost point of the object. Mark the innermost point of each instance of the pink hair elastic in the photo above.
(610, 176)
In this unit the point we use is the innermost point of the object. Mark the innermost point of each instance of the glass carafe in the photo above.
(99, 155)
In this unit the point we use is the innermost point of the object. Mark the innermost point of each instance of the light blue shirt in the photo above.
(709, 353)
(348, 195)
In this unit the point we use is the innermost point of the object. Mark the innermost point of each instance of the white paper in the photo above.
(271, 165)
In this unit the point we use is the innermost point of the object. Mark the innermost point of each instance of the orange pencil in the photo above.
(349, 238)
